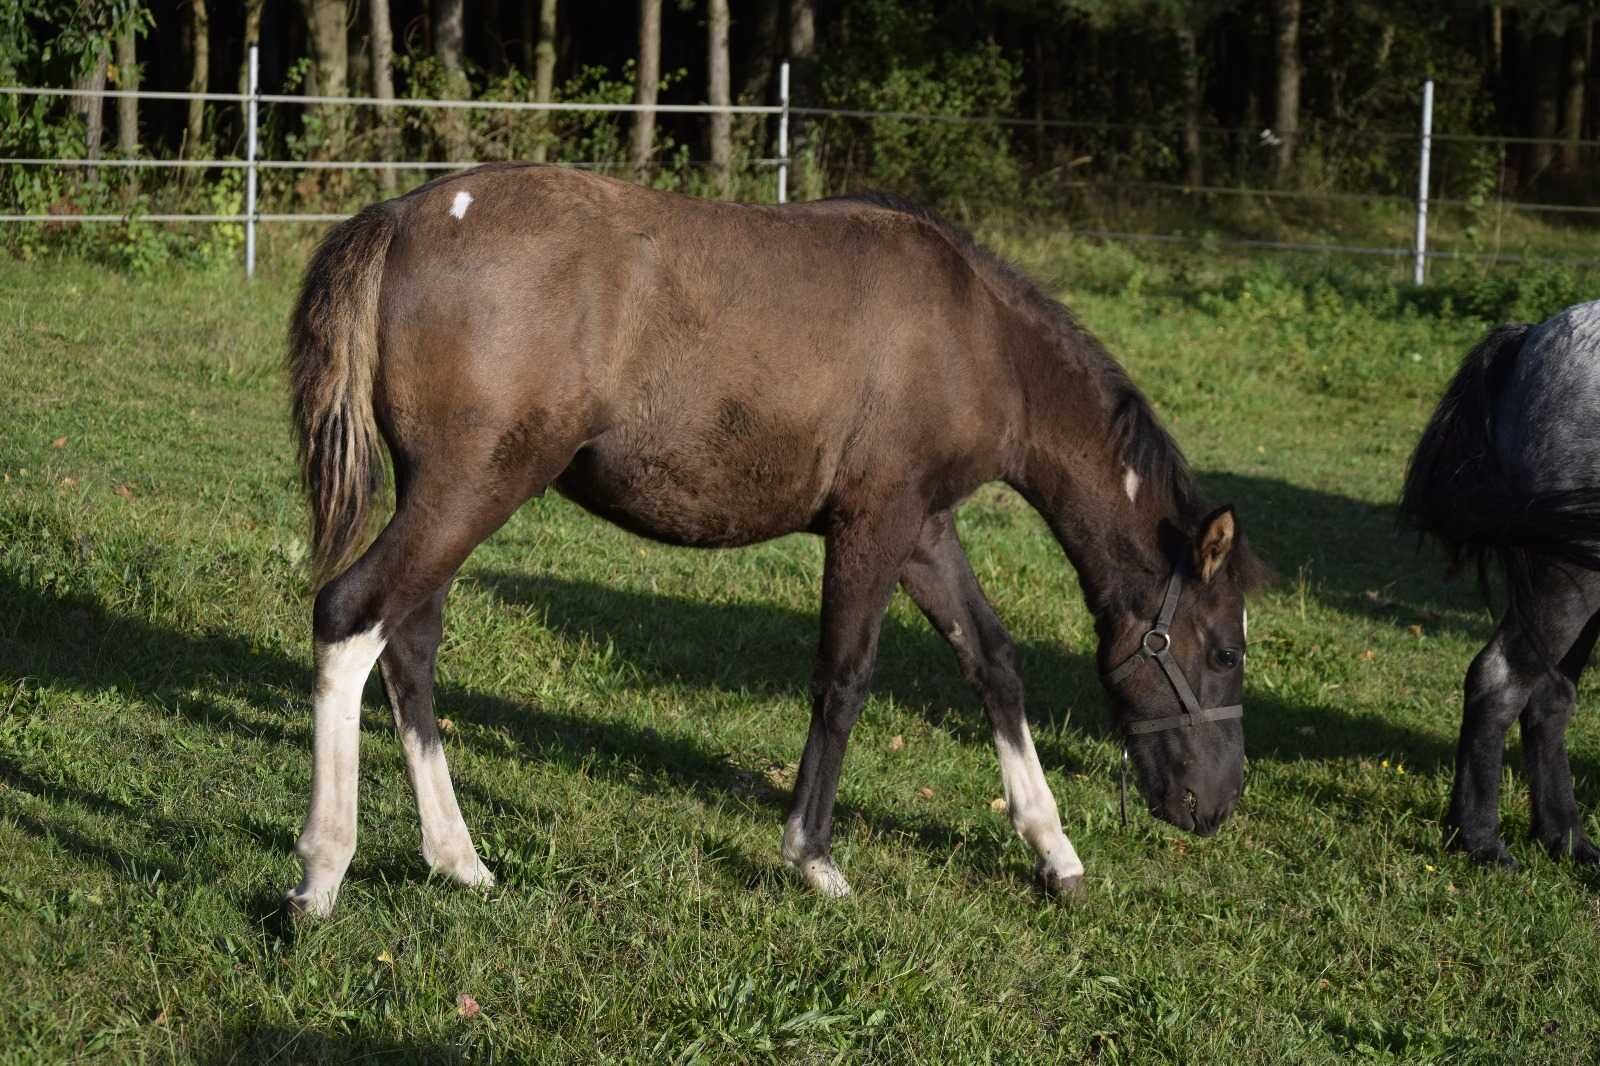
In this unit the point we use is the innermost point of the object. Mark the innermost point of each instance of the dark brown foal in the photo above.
(714, 375)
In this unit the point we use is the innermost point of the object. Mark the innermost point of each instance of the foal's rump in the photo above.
(1509, 463)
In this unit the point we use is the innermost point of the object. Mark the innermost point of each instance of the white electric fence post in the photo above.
(250, 169)
(1422, 182)
(783, 133)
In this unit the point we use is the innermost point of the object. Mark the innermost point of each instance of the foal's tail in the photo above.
(333, 359)
(1458, 492)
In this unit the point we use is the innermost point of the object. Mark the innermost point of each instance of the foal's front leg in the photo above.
(940, 579)
(863, 558)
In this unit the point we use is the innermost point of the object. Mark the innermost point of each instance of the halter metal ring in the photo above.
(1166, 641)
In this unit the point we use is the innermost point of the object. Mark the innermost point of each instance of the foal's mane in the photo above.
(1138, 438)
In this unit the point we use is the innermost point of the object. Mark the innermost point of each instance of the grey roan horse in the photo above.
(1508, 470)
(714, 375)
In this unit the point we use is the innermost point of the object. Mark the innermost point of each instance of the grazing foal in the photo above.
(713, 374)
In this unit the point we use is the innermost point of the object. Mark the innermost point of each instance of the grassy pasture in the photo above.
(627, 717)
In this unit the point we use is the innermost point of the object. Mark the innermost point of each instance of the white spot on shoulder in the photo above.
(1130, 483)
(458, 206)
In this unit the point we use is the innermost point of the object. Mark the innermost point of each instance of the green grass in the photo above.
(627, 717)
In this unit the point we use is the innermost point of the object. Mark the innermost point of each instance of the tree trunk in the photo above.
(1576, 86)
(491, 45)
(382, 37)
(1286, 102)
(449, 40)
(1546, 76)
(718, 94)
(544, 74)
(252, 32)
(93, 110)
(1193, 87)
(1497, 43)
(331, 54)
(802, 92)
(759, 66)
(644, 91)
(128, 109)
(526, 38)
(199, 78)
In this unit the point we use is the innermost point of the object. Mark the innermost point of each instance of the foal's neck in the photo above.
(1106, 514)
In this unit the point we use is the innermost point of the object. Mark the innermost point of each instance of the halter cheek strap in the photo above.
(1156, 646)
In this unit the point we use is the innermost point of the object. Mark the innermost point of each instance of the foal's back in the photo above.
(718, 373)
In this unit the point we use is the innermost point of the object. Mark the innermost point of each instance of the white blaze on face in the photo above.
(458, 206)
(1130, 483)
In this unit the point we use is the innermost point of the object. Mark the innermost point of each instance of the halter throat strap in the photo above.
(1156, 646)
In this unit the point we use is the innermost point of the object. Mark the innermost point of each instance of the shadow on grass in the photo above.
(69, 640)
(297, 1044)
(1354, 558)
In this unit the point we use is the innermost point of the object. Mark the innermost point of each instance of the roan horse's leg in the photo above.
(1509, 679)
(940, 579)
(863, 559)
(408, 662)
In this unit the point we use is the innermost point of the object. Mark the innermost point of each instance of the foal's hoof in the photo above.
(301, 906)
(1059, 883)
(473, 874)
(823, 878)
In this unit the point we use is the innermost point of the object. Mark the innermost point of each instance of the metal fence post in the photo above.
(1422, 182)
(783, 133)
(250, 168)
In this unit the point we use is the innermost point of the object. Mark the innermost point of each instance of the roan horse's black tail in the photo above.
(1457, 492)
(333, 359)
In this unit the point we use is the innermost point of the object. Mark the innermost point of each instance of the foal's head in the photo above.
(1172, 654)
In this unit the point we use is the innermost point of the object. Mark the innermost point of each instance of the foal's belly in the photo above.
(698, 493)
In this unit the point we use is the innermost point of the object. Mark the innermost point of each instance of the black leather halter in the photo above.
(1156, 646)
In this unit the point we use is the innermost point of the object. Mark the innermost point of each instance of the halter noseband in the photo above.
(1156, 646)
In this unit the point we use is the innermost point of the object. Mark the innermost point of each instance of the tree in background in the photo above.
(449, 42)
(717, 94)
(199, 78)
(544, 73)
(646, 87)
(381, 36)
(1286, 90)
(331, 63)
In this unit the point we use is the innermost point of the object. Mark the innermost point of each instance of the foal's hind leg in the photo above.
(1508, 679)
(940, 580)
(436, 526)
(408, 663)
(863, 558)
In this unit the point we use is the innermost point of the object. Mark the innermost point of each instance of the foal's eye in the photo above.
(1227, 658)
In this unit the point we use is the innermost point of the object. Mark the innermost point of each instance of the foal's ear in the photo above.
(1215, 541)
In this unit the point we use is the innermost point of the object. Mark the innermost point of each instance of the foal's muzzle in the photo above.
(1156, 646)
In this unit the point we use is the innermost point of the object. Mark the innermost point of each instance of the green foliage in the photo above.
(955, 165)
